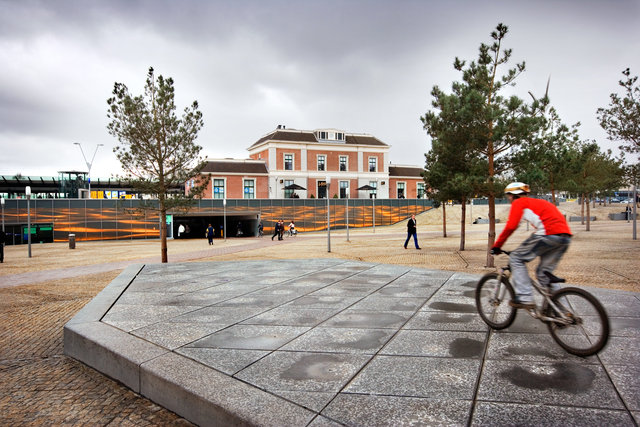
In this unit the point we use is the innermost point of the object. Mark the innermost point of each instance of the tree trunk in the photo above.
(582, 208)
(463, 222)
(163, 233)
(492, 228)
(588, 214)
(444, 219)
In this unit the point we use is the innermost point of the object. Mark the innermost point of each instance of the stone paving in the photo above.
(39, 385)
(340, 342)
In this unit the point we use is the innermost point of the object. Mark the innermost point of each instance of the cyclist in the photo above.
(550, 241)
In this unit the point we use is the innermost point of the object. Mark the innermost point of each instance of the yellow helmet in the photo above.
(517, 188)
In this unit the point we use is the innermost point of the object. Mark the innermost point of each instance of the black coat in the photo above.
(411, 226)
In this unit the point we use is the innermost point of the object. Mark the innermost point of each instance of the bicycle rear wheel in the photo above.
(584, 328)
(492, 300)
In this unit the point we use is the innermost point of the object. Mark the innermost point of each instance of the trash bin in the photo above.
(72, 241)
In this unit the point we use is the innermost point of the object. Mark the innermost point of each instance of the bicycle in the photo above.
(575, 318)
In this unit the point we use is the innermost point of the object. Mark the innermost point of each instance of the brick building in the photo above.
(289, 163)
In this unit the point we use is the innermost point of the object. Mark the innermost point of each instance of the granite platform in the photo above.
(329, 342)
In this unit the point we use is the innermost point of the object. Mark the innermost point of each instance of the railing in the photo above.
(104, 219)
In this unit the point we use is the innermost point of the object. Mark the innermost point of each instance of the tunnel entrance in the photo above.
(194, 226)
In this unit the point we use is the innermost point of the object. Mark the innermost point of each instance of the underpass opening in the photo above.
(194, 226)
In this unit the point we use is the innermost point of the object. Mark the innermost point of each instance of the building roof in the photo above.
(405, 171)
(307, 136)
(247, 166)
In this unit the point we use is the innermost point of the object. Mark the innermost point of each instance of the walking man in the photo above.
(210, 234)
(276, 230)
(411, 231)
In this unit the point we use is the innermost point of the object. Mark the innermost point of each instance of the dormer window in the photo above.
(330, 135)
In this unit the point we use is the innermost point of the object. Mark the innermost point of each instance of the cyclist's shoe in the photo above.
(527, 305)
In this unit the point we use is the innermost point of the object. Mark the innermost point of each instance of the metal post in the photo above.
(328, 182)
(347, 214)
(2, 201)
(224, 225)
(28, 193)
(373, 204)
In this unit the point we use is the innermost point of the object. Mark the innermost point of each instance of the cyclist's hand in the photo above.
(495, 251)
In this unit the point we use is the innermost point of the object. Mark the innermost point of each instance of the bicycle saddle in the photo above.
(553, 278)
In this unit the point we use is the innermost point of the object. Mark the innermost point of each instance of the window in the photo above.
(288, 162)
(249, 189)
(322, 135)
(322, 189)
(373, 194)
(321, 162)
(288, 193)
(401, 187)
(344, 188)
(218, 188)
(373, 164)
(340, 136)
(420, 190)
(343, 163)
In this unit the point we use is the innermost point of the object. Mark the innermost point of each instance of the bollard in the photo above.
(72, 241)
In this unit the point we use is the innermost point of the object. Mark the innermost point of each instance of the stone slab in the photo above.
(212, 398)
(329, 342)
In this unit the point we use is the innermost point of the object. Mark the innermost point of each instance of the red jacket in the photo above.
(542, 215)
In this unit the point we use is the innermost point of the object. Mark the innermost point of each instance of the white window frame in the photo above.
(369, 164)
(284, 161)
(224, 188)
(424, 190)
(324, 157)
(244, 194)
(287, 193)
(375, 185)
(404, 189)
(346, 163)
(343, 185)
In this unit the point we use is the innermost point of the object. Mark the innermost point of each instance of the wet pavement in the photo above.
(336, 342)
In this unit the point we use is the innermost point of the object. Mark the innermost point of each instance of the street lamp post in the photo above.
(2, 201)
(89, 164)
(328, 181)
(224, 224)
(373, 206)
(27, 191)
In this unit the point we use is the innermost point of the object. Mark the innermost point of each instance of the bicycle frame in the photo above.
(563, 315)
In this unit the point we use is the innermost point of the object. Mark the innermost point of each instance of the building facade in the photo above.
(290, 163)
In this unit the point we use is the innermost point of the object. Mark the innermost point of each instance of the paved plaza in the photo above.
(342, 342)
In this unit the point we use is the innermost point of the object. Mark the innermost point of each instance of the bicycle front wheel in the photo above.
(582, 326)
(492, 300)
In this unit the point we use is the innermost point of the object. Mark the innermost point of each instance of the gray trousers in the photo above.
(550, 250)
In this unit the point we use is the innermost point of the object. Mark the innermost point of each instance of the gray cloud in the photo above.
(363, 66)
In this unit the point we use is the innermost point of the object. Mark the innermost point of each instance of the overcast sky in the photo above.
(361, 66)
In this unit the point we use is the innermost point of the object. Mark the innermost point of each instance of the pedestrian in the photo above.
(276, 230)
(411, 231)
(180, 230)
(3, 237)
(210, 234)
(628, 212)
(260, 229)
(281, 229)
